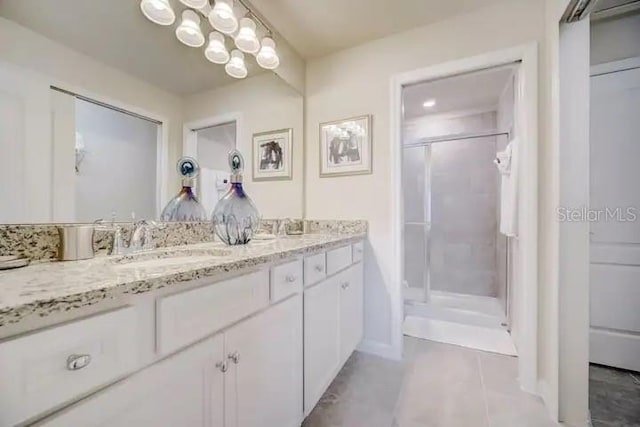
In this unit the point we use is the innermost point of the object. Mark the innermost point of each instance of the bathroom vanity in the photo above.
(198, 335)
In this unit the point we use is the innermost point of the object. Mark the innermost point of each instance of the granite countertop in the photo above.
(54, 287)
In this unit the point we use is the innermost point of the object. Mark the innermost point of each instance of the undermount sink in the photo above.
(165, 258)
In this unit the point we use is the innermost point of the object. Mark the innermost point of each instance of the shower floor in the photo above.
(466, 320)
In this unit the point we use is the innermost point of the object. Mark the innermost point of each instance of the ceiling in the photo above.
(316, 28)
(116, 33)
(474, 91)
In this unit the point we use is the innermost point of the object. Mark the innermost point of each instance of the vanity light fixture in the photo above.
(195, 4)
(222, 17)
(236, 67)
(189, 32)
(246, 39)
(216, 51)
(267, 57)
(429, 103)
(158, 11)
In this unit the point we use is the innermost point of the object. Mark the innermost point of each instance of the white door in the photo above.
(321, 339)
(615, 235)
(183, 390)
(351, 313)
(263, 386)
(25, 146)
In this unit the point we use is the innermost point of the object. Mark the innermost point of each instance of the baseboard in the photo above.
(380, 349)
(544, 393)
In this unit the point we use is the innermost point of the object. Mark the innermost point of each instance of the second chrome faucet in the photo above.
(141, 238)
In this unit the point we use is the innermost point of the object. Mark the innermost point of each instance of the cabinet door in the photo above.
(183, 390)
(321, 339)
(351, 310)
(263, 386)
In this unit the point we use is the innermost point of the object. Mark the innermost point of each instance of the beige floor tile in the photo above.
(450, 407)
(521, 410)
(347, 413)
(499, 373)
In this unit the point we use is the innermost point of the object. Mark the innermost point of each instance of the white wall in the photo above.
(573, 297)
(356, 81)
(614, 39)
(70, 70)
(118, 171)
(264, 103)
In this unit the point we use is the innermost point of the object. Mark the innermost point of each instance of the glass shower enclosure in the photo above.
(452, 243)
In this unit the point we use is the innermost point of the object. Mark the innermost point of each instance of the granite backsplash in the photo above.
(39, 242)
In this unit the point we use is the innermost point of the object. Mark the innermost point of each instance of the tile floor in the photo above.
(436, 385)
(614, 397)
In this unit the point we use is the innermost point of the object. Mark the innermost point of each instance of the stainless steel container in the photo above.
(76, 242)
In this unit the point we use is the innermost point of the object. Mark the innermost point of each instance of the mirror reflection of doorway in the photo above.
(212, 147)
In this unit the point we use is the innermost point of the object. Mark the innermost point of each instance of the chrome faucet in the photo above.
(281, 226)
(141, 238)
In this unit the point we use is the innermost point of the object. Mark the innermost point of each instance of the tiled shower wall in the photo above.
(462, 191)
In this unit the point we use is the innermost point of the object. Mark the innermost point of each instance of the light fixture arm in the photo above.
(255, 16)
(206, 9)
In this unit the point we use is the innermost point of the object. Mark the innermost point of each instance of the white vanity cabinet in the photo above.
(254, 350)
(351, 310)
(183, 390)
(263, 384)
(333, 323)
(248, 376)
(321, 339)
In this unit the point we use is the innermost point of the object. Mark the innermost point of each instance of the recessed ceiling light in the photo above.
(429, 103)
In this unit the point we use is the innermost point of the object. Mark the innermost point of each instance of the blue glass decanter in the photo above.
(185, 206)
(235, 218)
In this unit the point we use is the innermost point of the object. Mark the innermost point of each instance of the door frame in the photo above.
(189, 140)
(189, 136)
(526, 312)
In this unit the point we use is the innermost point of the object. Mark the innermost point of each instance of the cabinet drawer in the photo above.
(338, 259)
(38, 371)
(189, 316)
(286, 279)
(315, 268)
(358, 251)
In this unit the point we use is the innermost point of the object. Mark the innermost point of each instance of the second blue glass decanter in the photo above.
(235, 218)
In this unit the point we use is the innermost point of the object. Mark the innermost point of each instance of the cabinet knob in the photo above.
(345, 285)
(234, 357)
(222, 366)
(319, 268)
(290, 278)
(75, 362)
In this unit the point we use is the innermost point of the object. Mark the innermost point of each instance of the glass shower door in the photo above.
(416, 222)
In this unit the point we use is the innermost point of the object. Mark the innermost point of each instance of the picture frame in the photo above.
(273, 155)
(345, 147)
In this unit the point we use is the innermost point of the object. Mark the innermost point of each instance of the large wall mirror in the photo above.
(98, 103)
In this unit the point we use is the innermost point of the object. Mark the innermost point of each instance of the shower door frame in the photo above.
(525, 320)
(426, 143)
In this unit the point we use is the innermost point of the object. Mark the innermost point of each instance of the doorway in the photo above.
(524, 289)
(456, 252)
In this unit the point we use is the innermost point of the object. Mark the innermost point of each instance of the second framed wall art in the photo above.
(345, 147)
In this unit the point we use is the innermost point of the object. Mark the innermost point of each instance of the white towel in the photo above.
(507, 163)
(212, 187)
